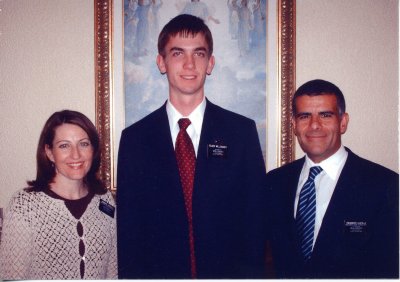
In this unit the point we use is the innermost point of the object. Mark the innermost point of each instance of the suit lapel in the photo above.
(291, 194)
(331, 230)
(162, 146)
(293, 183)
(162, 132)
(207, 131)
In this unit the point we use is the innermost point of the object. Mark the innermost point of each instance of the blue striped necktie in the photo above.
(305, 216)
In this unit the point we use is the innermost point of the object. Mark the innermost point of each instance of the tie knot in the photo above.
(184, 123)
(314, 171)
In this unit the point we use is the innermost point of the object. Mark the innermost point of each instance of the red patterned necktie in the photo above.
(186, 159)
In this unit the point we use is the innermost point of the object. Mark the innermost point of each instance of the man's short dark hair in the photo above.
(320, 87)
(184, 25)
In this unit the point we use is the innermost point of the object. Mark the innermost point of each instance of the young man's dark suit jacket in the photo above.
(366, 196)
(227, 198)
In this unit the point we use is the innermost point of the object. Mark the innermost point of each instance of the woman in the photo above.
(63, 225)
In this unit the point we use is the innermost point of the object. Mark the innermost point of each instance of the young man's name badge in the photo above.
(217, 151)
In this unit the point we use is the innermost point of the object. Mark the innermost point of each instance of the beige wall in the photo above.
(46, 64)
(354, 44)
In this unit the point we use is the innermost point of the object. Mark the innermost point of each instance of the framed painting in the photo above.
(254, 47)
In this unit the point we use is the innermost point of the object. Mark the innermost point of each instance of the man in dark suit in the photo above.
(208, 226)
(342, 220)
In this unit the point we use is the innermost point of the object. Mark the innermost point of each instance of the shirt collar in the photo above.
(332, 165)
(196, 116)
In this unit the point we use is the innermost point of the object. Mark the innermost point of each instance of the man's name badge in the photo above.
(355, 226)
(107, 208)
(217, 151)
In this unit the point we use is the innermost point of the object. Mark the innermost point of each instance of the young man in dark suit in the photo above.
(334, 214)
(189, 201)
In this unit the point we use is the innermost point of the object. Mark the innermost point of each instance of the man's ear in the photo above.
(211, 63)
(344, 122)
(161, 64)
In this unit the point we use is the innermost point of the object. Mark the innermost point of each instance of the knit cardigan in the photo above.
(40, 239)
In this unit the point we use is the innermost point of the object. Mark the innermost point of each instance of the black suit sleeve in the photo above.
(254, 267)
(123, 196)
(385, 245)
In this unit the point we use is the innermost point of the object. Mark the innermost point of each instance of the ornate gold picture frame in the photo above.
(104, 72)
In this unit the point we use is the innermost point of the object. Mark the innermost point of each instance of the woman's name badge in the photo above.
(107, 208)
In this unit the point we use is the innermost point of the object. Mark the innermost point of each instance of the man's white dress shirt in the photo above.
(325, 183)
